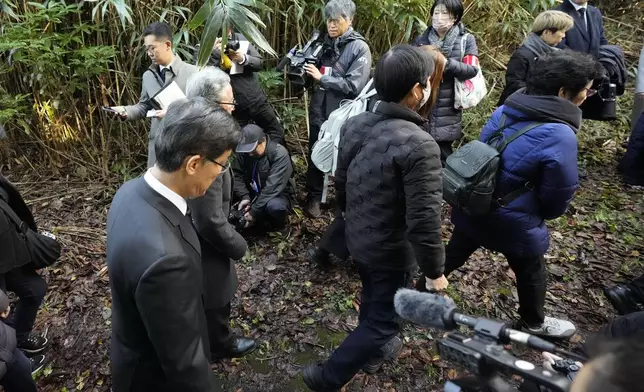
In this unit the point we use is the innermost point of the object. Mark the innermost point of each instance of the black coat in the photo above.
(158, 320)
(517, 72)
(577, 38)
(274, 169)
(389, 184)
(349, 57)
(445, 121)
(8, 345)
(220, 243)
(14, 249)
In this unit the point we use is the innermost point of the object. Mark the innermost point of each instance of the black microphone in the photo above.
(435, 311)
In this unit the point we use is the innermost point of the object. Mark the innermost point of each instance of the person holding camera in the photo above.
(343, 71)
(263, 184)
(221, 245)
(251, 103)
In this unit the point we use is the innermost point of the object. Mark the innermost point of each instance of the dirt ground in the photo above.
(299, 313)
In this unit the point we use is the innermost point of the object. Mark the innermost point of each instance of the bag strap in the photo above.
(20, 224)
(463, 41)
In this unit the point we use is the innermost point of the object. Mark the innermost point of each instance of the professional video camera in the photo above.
(231, 45)
(296, 59)
(236, 219)
(603, 105)
(482, 354)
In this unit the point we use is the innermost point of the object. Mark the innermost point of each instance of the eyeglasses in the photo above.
(590, 92)
(233, 103)
(224, 168)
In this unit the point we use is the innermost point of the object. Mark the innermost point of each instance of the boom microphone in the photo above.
(435, 311)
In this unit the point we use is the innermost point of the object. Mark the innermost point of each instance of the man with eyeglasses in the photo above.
(263, 185)
(166, 68)
(220, 243)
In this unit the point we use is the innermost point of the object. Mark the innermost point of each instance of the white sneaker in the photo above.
(553, 328)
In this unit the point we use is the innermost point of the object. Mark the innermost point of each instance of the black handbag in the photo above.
(43, 248)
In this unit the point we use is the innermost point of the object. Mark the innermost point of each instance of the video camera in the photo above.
(296, 59)
(481, 354)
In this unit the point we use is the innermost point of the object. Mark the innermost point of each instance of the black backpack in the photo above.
(470, 173)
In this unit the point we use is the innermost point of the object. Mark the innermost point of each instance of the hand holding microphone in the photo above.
(439, 284)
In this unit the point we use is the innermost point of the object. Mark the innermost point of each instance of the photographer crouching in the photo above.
(345, 64)
(251, 103)
(262, 170)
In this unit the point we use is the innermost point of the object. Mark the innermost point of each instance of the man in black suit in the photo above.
(587, 35)
(220, 243)
(154, 256)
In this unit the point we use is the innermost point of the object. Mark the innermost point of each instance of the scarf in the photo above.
(536, 45)
(446, 44)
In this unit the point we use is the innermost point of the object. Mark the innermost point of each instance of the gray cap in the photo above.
(252, 135)
(4, 302)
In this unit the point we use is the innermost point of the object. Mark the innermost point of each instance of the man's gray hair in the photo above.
(208, 83)
(337, 8)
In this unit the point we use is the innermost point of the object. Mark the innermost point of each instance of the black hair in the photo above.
(159, 30)
(454, 7)
(194, 127)
(618, 364)
(398, 71)
(562, 69)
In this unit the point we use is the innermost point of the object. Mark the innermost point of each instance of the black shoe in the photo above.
(240, 348)
(314, 379)
(33, 345)
(312, 208)
(319, 257)
(389, 351)
(37, 363)
(622, 299)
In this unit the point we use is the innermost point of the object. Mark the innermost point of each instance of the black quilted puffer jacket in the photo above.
(389, 185)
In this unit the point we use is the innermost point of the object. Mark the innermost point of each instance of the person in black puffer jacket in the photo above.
(447, 32)
(345, 67)
(389, 187)
(548, 30)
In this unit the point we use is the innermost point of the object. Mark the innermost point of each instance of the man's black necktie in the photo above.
(163, 72)
(582, 14)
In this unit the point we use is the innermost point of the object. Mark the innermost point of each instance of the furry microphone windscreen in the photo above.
(424, 309)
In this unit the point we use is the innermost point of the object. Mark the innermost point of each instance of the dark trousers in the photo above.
(219, 334)
(333, 240)
(30, 289)
(446, 150)
(277, 211)
(18, 377)
(314, 177)
(379, 323)
(637, 288)
(264, 116)
(529, 271)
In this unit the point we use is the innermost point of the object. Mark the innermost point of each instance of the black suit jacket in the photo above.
(158, 321)
(220, 243)
(577, 38)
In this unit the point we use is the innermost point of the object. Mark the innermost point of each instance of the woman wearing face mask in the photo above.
(446, 32)
(548, 30)
(388, 184)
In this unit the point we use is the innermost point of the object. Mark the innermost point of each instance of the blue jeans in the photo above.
(379, 323)
(18, 377)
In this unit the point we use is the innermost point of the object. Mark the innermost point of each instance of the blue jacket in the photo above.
(546, 156)
(577, 38)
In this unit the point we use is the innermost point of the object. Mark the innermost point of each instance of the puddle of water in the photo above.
(262, 367)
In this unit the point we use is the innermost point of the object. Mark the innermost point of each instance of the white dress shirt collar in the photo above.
(166, 192)
(169, 66)
(577, 6)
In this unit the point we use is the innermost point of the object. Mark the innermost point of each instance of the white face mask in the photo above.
(427, 93)
(442, 20)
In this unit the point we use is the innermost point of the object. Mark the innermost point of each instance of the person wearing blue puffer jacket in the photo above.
(543, 160)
